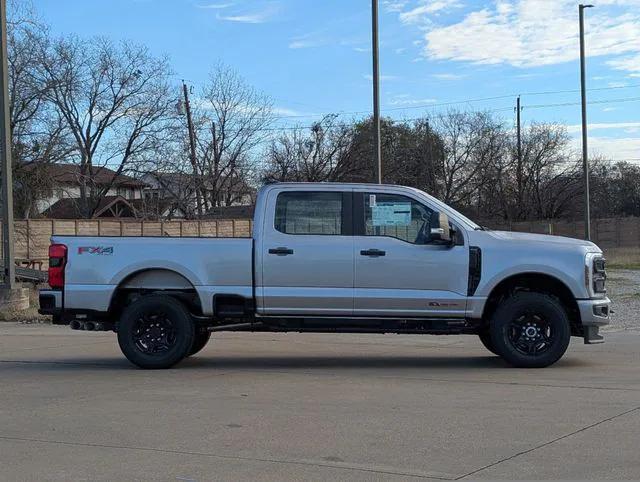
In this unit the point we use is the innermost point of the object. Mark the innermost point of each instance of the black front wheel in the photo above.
(155, 332)
(530, 330)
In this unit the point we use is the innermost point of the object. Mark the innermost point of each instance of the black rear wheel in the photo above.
(199, 342)
(485, 338)
(530, 330)
(155, 332)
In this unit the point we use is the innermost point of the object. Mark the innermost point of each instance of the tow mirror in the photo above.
(441, 232)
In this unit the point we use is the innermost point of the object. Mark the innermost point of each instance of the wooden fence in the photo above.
(606, 232)
(32, 236)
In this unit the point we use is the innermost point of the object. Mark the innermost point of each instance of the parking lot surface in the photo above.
(307, 406)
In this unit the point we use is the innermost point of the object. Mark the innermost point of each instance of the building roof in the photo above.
(101, 176)
(157, 207)
(108, 207)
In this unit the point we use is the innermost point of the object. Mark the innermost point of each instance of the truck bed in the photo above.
(96, 266)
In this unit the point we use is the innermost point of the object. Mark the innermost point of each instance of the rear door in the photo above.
(399, 271)
(307, 253)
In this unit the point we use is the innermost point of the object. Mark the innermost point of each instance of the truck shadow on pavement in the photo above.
(289, 363)
(337, 362)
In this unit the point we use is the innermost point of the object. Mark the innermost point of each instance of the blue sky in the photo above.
(314, 57)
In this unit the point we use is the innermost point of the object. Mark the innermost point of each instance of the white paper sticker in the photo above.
(372, 200)
(391, 214)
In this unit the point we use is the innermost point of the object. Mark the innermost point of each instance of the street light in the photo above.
(376, 93)
(585, 159)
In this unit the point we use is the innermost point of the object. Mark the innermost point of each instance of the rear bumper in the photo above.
(51, 304)
(594, 314)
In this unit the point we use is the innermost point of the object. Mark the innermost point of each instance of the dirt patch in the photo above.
(623, 287)
(30, 315)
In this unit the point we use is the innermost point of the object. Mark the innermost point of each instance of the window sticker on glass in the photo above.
(391, 214)
(372, 200)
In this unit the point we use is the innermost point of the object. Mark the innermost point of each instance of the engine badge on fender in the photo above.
(98, 250)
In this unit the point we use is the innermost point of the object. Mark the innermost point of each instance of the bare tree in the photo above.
(231, 120)
(471, 142)
(325, 152)
(39, 136)
(115, 101)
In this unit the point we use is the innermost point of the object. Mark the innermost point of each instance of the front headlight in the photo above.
(595, 274)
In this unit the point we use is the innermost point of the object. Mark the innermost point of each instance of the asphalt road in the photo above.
(291, 406)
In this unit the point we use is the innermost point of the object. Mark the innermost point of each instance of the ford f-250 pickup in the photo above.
(348, 258)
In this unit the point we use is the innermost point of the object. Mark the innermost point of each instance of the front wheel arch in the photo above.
(536, 283)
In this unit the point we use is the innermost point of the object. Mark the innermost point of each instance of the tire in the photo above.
(485, 338)
(199, 342)
(530, 330)
(155, 332)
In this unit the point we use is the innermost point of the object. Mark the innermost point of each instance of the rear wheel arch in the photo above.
(537, 283)
(148, 281)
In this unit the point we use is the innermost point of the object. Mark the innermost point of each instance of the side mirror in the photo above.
(441, 232)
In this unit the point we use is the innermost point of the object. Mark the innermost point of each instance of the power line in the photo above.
(502, 109)
(454, 102)
(605, 101)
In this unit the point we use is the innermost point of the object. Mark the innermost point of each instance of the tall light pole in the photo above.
(376, 92)
(585, 158)
(5, 157)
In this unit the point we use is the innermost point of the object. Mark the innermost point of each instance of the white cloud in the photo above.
(572, 129)
(405, 100)
(613, 147)
(216, 6)
(448, 76)
(394, 5)
(382, 77)
(427, 8)
(629, 64)
(286, 112)
(252, 16)
(306, 43)
(529, 33)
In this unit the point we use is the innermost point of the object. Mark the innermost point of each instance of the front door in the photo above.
(399, 271)
(307, 254)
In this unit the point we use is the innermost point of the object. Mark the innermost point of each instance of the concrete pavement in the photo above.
(307, 406)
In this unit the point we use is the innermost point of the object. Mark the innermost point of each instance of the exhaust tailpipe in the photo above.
(89, 326)
(75, 325)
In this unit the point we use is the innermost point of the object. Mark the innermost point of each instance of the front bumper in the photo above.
(594, 313)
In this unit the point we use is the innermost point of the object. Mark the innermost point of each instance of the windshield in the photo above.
(450, 211)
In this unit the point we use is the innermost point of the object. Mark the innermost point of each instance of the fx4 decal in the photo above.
(99, 250)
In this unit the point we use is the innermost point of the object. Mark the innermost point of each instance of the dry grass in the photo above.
(623, 258)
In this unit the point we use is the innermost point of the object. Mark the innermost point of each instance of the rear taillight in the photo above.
(57, 263)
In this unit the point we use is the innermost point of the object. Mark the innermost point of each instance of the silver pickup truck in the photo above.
(348, 258)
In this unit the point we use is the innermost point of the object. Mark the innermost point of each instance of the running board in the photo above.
(437, 326)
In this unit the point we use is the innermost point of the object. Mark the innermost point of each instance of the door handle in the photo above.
(281, 251)
(374, 253)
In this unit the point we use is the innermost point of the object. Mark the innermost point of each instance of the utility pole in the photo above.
(192, 147)
(519, 143)
(376, 92)
(5, 154)
(585, 158)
